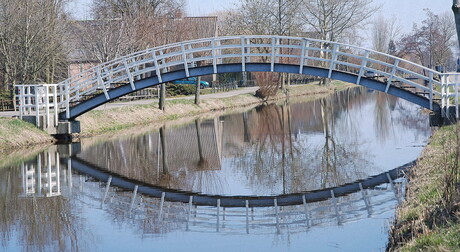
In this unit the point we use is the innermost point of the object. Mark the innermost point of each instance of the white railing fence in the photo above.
(39, 100)
(273, 50)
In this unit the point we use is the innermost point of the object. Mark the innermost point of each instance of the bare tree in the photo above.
(384, 31)
(432, 42)
(248, 17)
(263, 17)
(144, 9)
(267, 17)
(104, 40)
(32, 41)
(331, 19)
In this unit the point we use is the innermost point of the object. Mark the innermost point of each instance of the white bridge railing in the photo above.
(272, 50)
(41, 101)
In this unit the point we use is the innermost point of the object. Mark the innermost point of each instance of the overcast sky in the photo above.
(406, 11)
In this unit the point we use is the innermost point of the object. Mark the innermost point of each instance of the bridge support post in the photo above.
(444, 97)
(161, 102)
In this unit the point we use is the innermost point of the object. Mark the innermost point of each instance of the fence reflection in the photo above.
(156, 215)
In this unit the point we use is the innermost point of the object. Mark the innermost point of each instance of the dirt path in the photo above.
(119, 104)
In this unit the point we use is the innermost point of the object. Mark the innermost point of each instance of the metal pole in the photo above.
(431, 90)
(247, 217)
(29, 99)
(189, 212)
(69, 174)
(447, 95)
(58, 169)
(162, 201)
(55, 105)
(307, 219)
(50, 181)
(393, 188)
(109, 181)
(365, 199)
(39, 174)
(218, 212)
(47, 105)
(67, 100)
(277, 216)
(37, 108)
(133, 198)
(456, 96)
(336, 206)
(21, 101)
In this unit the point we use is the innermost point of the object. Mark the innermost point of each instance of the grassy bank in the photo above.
(16, 134)
(429, 218)
(105, 121)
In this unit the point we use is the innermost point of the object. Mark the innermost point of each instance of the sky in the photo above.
(406, 11)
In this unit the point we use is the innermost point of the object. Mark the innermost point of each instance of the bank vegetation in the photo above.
(16, 134)
(429, 218)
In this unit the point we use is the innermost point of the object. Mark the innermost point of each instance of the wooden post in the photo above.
(162, 96)
(197, 90)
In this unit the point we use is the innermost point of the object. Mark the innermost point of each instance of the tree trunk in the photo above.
(197, 90)
(456, 10)
(162, 96)
(164, 150)
(202, 163)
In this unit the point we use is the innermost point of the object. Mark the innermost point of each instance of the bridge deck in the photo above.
(154, 66)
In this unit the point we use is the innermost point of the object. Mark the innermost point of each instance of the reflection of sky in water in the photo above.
(110, 228)
(368, 133)
(379, 148)
(364, 236)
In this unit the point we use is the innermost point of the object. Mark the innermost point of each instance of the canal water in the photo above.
(113, 194)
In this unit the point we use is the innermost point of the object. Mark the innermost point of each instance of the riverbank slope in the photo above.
(16, 134)
(428, 220)
(104, 121)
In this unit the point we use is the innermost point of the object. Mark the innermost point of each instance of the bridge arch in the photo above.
(195, 198)
(379, 71)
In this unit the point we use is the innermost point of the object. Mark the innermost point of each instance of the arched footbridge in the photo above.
(110, 80)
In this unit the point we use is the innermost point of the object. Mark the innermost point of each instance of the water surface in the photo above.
(294, 147)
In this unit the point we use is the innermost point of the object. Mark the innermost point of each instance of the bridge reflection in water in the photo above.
(272, 149)
(308, 163)
(158, 215)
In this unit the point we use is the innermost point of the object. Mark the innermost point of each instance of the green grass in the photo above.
(428, 222)
(14, 125)
(180, 101)
(430, 195)
(447, 239)
(116, 127)
(411, 215)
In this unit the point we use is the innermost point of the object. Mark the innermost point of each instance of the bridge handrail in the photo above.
(247, 49)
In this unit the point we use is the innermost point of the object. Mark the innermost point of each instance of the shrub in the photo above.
(180, 89)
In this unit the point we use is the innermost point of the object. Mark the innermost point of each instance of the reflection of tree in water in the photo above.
(295, 147)
(411, 120)
(184, 158)
(383, 114)
(340, 162)
(283, 161)
(389, 110)
(42, 223)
